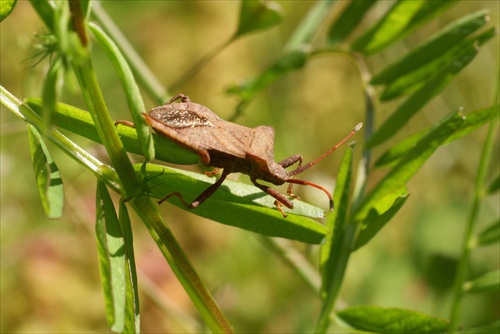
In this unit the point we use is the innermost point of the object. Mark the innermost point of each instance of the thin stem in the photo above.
(144, 75)
(468, 238)
(200, 64)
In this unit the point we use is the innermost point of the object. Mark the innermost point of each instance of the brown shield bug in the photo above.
(231, 147)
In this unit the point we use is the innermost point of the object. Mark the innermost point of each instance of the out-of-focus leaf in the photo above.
(6, 7)
(421, 97)
(473, 121)
(132, 314)
(112, 262)
(403, 18)
(391, 320)
(493, 327)
(494, 185)
(48, 177)
(45, 10)
(376, 220)
(132, 91)
(348, 21)
(405, 84)
(258, 15)
(80, 122)
(490, 235)
(336, 221)
(435, 47)
(289, 62)
(410, 163)
(237, 204)
(489, 282)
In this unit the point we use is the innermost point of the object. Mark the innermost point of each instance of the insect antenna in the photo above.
(312, 163)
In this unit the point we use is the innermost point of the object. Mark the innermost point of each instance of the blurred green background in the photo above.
(49, 271)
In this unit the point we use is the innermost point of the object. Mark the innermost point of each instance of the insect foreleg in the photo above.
(202, 197)
(183, 98)
(280, 198)
(287, 163)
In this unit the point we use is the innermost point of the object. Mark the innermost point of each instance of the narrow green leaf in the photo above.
(403, 18)
(490, 235)
(336, 221)
(473, 121)
(348, 21)
(489, 282)
(411, 162)
(391, 320)
(258, 15)
(50, 91)
(237, 204)
(435, 47)
(494, 185)
(132, 313)
(45, 10)
(48, 177)
(6, 7)
(493, 327)
(112, 262)
(420, 98)
(80, 122)
(289, 62)
(134, 97)
(376, 220)
(406, 83)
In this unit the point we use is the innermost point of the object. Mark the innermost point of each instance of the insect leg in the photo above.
(202, 197)
(280, 198)
(126, 123)
(287, 163)
(183, 98)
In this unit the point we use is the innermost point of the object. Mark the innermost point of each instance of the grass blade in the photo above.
(391, 320)
(47, 175)
(111, 251)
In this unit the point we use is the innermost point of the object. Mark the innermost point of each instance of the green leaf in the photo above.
(45, 10)
(348, 21)
(489, 282)
(258, 15)
(48, 177)
(336, 221)
(473, 121)
(237, 204)
(80, 122)
(6, 7)
(376, 220)
(435, 47)
(112, 261)
(494, 185)
(411, 162)
(403, 18)
(289, 62)
(132, 312)
(493, 327)
(132, 92)
(490, 235)
(409, 82)
(420, 98)
(391, 320)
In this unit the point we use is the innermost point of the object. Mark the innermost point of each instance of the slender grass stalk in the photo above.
(468, 237)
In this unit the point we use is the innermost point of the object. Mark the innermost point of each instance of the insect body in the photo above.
(231, 147)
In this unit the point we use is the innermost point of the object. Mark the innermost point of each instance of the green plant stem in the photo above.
(96, 167)
(181, 266)
(337, 279)
(105, 127)
(468, 237)
(200, 64)
(309, 25)
(141, 71)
